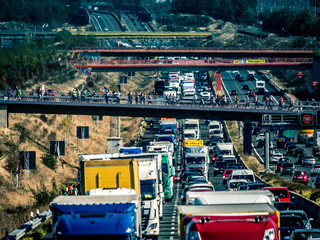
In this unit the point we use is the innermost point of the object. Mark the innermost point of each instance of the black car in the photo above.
(298, 151)
(234, 92)
(245, 87)
(252, 186)
(257, 130)
(299, 158)
(288, 223)
(316, 183)
(291, 149)
(219, 167)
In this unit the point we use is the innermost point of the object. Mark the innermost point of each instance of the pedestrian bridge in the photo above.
(180, 111)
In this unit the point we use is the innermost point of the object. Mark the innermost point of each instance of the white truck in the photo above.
(160, 147)
(230, 197)
(260, 86)
(190, 134)
(197, 162)
(192, 124)
(225, 149)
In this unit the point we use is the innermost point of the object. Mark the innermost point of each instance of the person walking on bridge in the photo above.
(195, 97)
(236, 100)
(130, 97)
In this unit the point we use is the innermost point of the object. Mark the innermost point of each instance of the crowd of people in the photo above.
(78, 95)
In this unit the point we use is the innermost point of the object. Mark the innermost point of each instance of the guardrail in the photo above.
(29, 226)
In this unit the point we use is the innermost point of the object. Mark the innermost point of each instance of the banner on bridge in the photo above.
(245, 61)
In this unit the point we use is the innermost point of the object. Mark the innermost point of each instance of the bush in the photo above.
(42, 195)
(315, 196)
(49, 160)
(43, 118)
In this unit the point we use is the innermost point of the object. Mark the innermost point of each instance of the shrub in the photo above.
(49, 160)
(43, 118)
(42, 195)
(315, 196)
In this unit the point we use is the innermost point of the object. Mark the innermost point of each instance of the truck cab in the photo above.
(260, 86)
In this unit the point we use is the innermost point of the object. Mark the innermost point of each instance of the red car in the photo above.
(300, 176)
(226, 175)
(280, 193)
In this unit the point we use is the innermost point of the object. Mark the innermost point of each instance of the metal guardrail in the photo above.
(29, 226)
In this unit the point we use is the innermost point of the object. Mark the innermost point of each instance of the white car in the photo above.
(308, 160)
(315, 169)
(276, 157)
(205, 95)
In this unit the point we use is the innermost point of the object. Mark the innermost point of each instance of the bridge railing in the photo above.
(193, 62)
(161, 100)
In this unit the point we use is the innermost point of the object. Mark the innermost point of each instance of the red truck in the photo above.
(229, 222)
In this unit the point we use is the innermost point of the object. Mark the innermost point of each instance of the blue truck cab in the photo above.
(97, 217)
(167, 137)
(131, 150)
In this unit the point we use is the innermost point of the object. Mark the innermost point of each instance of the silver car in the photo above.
(315, 169)
(308, 160)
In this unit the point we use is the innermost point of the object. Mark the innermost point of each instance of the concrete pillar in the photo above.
(247, 138)
(314, 76)
(267, 151)
(3, 116)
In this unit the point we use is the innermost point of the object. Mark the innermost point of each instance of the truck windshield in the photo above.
(191, 126)
(195, 160)
(225, 152)
(165, 168)
(148, 189)
(249, 178)
(189, 135)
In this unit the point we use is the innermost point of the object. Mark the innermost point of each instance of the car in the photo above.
(300, 213)
(233, 184)
(284, 206)
(219, 167)
(287, 144)
(280, 193)
(184, 175)
(288, 223)
(234, 92)
(226, 175)
(287, 168)
(260, 139)
(202, 186)
(205, 95)
(239, 78)
(290, 150)
(245, 87)
(278, 167)
(309, 142)
(298, 151)
(276, 157)
(299, 158)
(300, 234)
(300, 177)
(257, 130)
(308, 160)
(250, 76)
(315, 151)
(316, 183)
(216, 134)
(315, 169)
(106, 29)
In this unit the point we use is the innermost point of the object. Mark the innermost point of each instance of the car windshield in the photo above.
(299, 173)
(236, 184)
(195, 160)
(307, 236)
(291, 222)
(281, 193)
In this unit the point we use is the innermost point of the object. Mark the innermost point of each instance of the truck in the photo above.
(190, 134)
(95, 173)
(169, 127)
(131, 150)
(225, 149)
(159, 86)
(192, 124)
(168, 175)
(150, 175)
(304, 134)
(230, 197)
(160, 147)
(167, 137)
(260, 86)
(97, 217)
(229, 221)
(197, 162)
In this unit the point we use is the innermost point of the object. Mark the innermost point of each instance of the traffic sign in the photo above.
(306, 119)
(300, 74)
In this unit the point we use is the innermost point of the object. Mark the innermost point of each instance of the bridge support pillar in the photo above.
(247, 139)
(3, 116)
(315, 76)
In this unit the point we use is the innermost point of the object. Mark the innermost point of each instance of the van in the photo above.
(246, 174)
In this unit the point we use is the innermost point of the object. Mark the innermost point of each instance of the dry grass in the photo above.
(20, 199)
